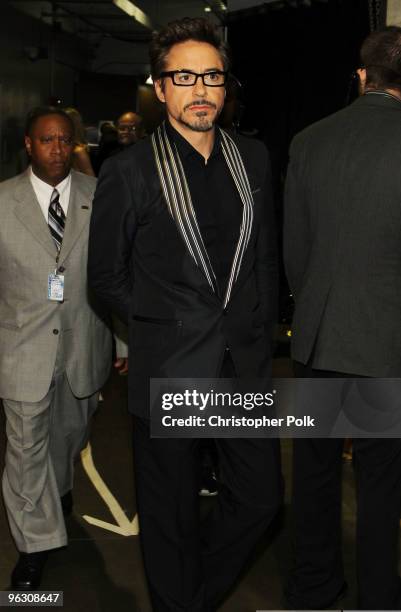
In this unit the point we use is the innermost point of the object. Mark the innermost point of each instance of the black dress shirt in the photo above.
(216, 202)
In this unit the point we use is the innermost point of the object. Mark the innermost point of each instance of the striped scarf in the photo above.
(179, 202)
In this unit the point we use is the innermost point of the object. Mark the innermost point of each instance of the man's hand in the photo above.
(121, 364)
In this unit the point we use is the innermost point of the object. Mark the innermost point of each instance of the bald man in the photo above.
(129, 129)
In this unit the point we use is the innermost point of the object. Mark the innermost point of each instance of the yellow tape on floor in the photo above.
(124, 526)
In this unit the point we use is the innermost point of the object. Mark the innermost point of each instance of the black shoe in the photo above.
(27, 574)
(67, 503)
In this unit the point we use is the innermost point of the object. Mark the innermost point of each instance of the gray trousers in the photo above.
(43, 440)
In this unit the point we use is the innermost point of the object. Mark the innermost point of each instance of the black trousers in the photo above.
(190, 565)
(318, 574)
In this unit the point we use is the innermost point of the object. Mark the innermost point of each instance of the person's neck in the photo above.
(52, 182)
(201, 141)
(393, 92)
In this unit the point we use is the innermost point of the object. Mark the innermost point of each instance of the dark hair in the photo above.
(44, 111)
(180, 31)
(381, 56)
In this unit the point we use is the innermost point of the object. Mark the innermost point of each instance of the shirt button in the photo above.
(55, 332)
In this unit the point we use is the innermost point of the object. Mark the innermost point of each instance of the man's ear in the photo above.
(159, 89)
(361, 72)
(28, 145)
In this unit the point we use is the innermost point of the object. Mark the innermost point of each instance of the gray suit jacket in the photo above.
(31, 326)
(342, 239)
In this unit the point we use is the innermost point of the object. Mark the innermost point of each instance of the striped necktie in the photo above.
(56, 219)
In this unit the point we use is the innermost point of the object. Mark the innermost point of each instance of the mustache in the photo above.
(200, 103)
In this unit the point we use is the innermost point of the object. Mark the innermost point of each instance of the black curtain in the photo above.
(295, 65)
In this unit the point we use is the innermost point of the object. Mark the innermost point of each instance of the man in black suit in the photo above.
(343, 260)
(183, 249)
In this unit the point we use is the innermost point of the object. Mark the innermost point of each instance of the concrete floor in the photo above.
(101, 571)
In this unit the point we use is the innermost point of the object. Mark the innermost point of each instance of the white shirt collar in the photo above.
(43, 191)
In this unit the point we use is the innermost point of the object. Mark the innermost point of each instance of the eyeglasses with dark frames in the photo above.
(126, 128)
(187, 78)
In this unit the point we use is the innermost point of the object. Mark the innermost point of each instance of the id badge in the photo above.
(55, 287)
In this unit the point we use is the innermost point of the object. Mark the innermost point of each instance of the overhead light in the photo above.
(149, 80)
(217, 5)
(133, 11)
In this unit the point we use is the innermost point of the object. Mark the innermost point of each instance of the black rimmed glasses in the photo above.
(126, 128)
(187, 78)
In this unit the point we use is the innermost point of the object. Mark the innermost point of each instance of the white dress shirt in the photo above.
(43, 192)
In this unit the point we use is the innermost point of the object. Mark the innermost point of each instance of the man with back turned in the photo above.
(343, 259)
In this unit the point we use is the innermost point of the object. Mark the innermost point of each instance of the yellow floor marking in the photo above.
(124, 526)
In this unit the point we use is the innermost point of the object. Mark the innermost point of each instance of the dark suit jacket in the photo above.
(140, 267)
(342, 239)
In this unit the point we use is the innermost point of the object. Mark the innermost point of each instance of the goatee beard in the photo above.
(201, 124)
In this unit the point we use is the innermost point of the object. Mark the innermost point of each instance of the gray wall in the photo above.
(25, 84)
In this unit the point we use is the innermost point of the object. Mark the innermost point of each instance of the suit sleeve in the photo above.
(112, 231)
(296, 226)
(266, 265)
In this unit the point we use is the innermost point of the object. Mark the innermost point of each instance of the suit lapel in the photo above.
(78, 215)
(179, 202)
(236, 166)
(29, 213)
